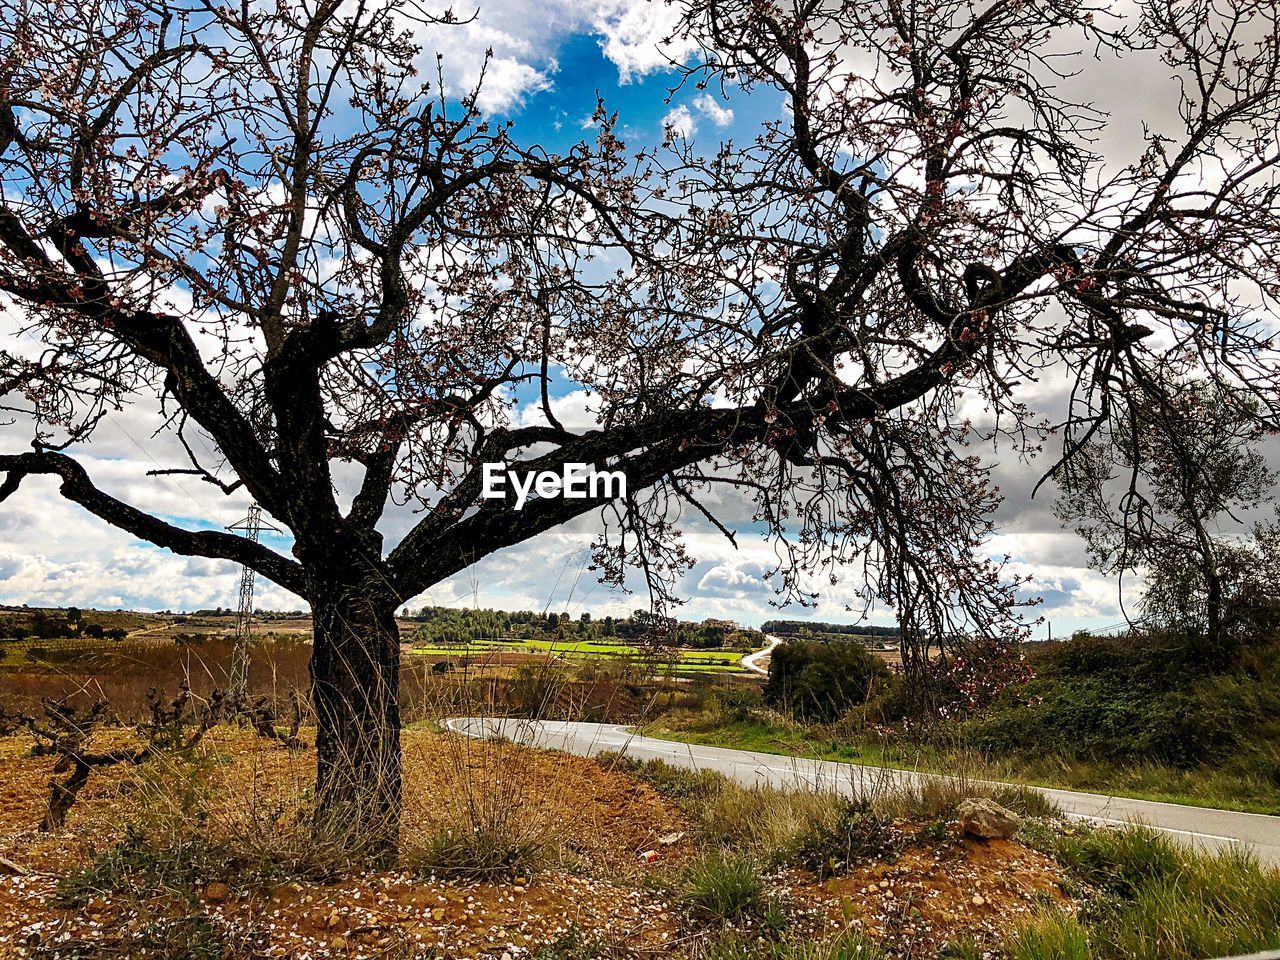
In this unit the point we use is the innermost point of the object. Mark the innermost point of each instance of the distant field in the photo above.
(701, 661)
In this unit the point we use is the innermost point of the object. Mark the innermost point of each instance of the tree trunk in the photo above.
(355, 686)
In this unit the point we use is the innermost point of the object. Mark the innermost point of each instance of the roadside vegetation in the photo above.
(1146, 714)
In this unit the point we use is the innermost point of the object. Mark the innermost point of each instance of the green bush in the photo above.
(737, 703)
(724, 887)
(819, 681)
(1140, 698)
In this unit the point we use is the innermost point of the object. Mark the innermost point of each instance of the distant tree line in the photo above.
(816, 628)
(452, 625)
(55, 625)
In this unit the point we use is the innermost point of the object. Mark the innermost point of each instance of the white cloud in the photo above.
(631, 35)
(710, 108)
(680, 121)
(633, 32)
(737, 580)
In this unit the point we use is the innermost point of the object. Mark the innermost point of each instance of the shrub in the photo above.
(491, 821)
(194, 937)
(724, 887)
(480, 853)
(1140, 698)
(137, 866)
(737, 703)
(1025, 801)
(820, 681)
(857, 835)
(679, 783)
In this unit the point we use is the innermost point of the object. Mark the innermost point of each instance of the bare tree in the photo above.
(260, 218)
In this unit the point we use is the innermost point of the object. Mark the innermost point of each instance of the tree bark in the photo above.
(355, 687)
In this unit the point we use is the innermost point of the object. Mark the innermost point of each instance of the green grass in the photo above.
(686, 661)
(1153, 900)
(723, 886)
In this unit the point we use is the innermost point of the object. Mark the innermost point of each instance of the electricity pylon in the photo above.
(251, 526)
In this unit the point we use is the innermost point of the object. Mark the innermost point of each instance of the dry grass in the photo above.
(768, 822)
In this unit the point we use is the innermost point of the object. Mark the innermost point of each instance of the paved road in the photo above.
(752, 660)
(1211, 829)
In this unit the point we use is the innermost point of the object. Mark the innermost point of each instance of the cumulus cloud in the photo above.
(507, 68)
(680, 122)
(713, 110)
(738, 580)
(632, 34)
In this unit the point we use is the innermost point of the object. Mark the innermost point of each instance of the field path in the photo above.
(752, 660)
(1199, 826)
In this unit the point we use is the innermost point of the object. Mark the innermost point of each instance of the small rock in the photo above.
(338, 943)
(981, 817)
(217, 892)
(978, 900)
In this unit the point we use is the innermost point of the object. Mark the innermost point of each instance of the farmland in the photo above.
(677, 660)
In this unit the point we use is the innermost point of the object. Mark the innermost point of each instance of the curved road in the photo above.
(1198, 826)
(752, 660)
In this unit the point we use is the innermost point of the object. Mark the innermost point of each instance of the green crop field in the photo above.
(686, 660)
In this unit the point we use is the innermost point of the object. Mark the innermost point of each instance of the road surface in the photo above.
(752, 660)
(1197, 826)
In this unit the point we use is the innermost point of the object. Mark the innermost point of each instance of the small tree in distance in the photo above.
(817, 680)
(1158, 492)
(260, 221)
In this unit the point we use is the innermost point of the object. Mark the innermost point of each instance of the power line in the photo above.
(251, 526)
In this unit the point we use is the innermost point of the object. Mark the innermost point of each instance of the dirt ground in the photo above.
(593, 887)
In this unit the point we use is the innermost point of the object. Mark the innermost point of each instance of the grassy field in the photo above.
(703, 661)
